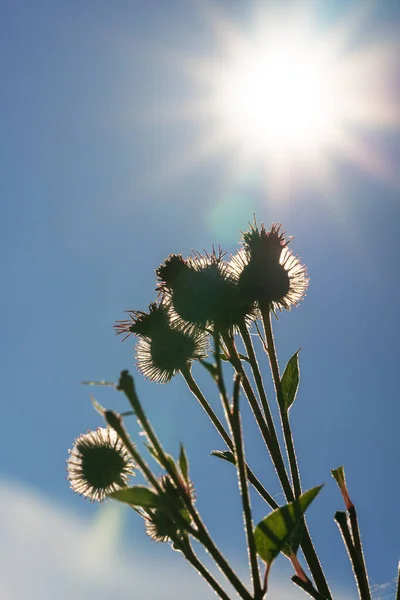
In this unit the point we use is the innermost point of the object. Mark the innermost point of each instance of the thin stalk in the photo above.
(398, 583)
(204, 538)
(273, 361)
(363, 587)
(220, 379)
(306, 544)
(115, 421)
(244, 491)
(275, 448)
(204, 572)
(308, 587)
(355, 531)
(278, 462)
(126, 384)
(193, 387)
(255, 482)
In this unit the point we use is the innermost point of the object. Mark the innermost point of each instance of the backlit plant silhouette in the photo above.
(205, 304)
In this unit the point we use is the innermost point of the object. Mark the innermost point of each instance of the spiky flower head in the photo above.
(163, 349)
(267, 272)
(98, 464)
(202, 292)
(162, 524)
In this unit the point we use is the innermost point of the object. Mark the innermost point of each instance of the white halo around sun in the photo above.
(288, 96)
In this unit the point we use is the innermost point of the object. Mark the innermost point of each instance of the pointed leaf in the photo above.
(279, 530)
(183, 464)
(225, 455)
(290, 380)
(223, 356)
(212, 369)
(138, 495)
(244, 357)
(97, 406)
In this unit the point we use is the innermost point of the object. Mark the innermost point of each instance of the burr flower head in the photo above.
(98, 464)
(161, 523)
(202, 292)
(163, 349)
(267, 272)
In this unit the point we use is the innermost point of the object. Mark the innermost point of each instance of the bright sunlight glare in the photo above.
(277, 98)
(288, 97)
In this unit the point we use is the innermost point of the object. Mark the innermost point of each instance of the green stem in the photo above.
(126, 384)
(220, 378)
(357, 542)
(275, 448)
(308, 587)
(273, 361)
(114, 420)
(277, 459)
(194, 388)
(363, 587)
(255, 482)
(244, 491)
(204, 572)
(306, 545)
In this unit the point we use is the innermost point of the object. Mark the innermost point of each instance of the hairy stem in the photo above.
(255, 482)
(277, 459)
(306, 545)
(362, 584)
(243, 488)
(126, 384)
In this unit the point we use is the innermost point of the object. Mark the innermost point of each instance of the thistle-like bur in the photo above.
(170, 521)
(202, 292)
(163, 349)
(98, 464)
(267, 272)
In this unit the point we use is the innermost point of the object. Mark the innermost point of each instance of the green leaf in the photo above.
(223, 356)
(290, 381)
(243, 357)
(212, 369)
(97, 406)
(225, 455)
(183, 464)
(137, 495)
(280, 531)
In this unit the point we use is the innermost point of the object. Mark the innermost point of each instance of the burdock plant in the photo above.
(206, 303)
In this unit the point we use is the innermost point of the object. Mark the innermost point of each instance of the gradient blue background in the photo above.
(88, 212)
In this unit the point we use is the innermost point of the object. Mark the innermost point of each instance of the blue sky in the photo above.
(98, 187)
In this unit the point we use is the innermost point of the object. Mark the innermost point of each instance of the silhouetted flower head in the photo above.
(267, 272)
(98, 464)
(162, 350)
(202, 292)
(161, 523)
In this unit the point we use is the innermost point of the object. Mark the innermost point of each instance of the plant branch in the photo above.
(306, 544)
(243, 488)
(204, 572)
(279, 465)
(255, 482)
(273, 361)
(126, 384)
(308, 587)
(363, 588)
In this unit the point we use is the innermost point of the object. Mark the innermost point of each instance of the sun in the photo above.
(289, 97)
(277, 98)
